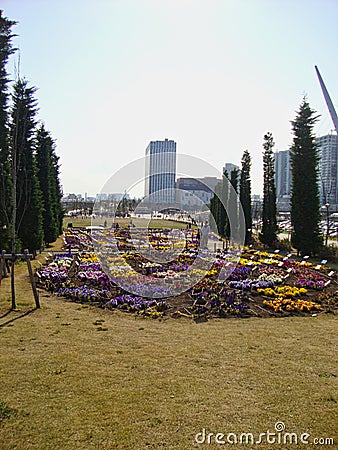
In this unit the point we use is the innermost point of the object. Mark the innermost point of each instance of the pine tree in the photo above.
(223, 204)
(219, 206)
(45, 174)
(28, 195)
(57, 192)
(245, 195)
(6, 50)
(269, 229)
(216, 209)
(305, 212)
(232, 202)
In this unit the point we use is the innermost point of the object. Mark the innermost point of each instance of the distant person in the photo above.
(205, 230)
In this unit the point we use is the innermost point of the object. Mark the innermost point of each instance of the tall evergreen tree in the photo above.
(57, 192)
(245, 195)
(216, 209)
(45, 174)
(28, 218)
(269, 229)
(6, 49)
(48, 174)
(223, 205)
(305, 212)
(232, 202)
(219, 206)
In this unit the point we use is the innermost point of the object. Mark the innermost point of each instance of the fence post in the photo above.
(31, 276)
(2, 267)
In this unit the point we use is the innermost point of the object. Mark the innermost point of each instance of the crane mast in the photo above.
(328, 101)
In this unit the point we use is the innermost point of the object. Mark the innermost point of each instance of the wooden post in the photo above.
(31, 276)
(13, 281)
(5, 266)
(2, 267)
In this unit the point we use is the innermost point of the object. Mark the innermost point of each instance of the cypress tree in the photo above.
(28, 195)
(245, 194)
(57, 192)
(213, 213)
(223, 204)
(305, 212)
(219, 204)
(216, 209)
(231, 201)
(6, 50)
(45, 174)
(269, 228)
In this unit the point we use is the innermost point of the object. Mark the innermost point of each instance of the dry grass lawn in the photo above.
(76, 377)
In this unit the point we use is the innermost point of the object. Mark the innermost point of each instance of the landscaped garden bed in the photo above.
(262, 284)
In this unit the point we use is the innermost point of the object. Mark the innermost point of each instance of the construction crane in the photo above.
(328, 100)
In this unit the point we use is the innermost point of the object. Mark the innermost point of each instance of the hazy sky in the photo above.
(214, 75)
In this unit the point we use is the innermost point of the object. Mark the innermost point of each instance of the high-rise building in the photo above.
(283, 179)
(160, 172)
(328, 168)
(211, 182)
(194, 191)
(229, 167)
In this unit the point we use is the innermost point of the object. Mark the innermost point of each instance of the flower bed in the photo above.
(131, 303)
(84, 293)
(288, 304)
(261, 284)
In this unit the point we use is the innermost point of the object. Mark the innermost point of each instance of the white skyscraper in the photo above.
(229, 167)
(328, 168)
(160, 172)
(283, 179)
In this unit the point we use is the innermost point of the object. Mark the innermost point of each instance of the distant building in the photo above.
(229, 167)
(328, 168)
(283, 180)
(76, 203)
(102, 196)
(160, 171)
(117, 197)
(257, 207)
(70, 198)
(192, 191)
(211, 182)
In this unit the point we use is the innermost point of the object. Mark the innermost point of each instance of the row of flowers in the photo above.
(259, 276)
(76, 239)
(140, 305)
(222, 304)
(288, 304)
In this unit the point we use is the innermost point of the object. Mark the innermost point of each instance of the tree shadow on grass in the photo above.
(26, 313)
(5, 314)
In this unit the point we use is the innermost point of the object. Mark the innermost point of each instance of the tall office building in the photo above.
(193, 191)
(229, 167)
(283, 180)
(160, 172)
(328, 168)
